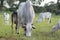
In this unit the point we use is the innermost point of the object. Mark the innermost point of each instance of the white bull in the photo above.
(25, 16)
(6, 18)
(43, 16)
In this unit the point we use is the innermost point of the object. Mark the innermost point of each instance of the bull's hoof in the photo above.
(50, 21)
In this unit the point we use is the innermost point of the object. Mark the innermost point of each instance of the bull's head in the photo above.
(27, 28)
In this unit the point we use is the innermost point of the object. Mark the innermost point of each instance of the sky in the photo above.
(47, 1)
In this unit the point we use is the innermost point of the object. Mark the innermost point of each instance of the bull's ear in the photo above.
(33, 26)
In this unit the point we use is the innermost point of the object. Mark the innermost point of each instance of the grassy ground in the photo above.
(42, 31)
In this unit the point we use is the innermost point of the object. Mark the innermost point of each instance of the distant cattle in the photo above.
(6, 18)
(25, 15)
(56, 26)
(44, 15)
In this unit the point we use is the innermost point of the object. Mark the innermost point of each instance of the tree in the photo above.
(58, 4)
(1, 4)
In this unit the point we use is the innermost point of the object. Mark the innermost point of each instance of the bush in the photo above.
(39, 9)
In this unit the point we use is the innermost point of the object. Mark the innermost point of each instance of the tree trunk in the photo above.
(1, 5)
(58, 4)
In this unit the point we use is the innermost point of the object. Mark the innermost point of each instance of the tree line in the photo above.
(51, 8)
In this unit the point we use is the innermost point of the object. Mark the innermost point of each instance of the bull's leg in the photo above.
(25, 31)
(12, 27)
(17, 26)
(43, 19)
(49, 20)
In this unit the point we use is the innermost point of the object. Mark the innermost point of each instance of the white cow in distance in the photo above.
(56, 26)
(44, 15)
(6, 18)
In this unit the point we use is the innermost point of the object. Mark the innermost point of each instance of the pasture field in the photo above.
(42, 31)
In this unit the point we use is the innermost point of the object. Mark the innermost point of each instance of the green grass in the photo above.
(42, 31)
